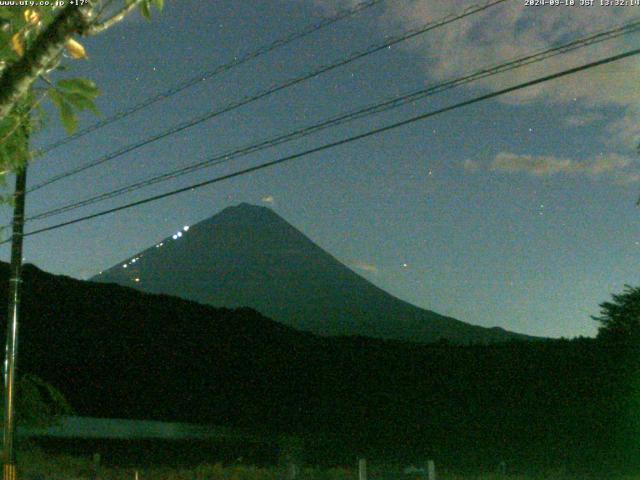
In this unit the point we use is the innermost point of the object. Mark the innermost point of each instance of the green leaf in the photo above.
(55, 97)
(5, 157)
(7, 125)
(80, 86)
(80, 102)
(46, 14)
(145, 9)
(67, 115)
(159, 4)
(12, 13)
(73, 95)
(14, 144)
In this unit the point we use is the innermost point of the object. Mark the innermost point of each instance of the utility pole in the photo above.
(11, 349)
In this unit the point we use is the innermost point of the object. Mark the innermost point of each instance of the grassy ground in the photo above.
(35, 465)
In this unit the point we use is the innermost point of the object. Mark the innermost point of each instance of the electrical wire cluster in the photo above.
(377, 107)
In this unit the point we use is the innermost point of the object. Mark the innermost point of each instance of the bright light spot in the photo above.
(174, 236)
(136, 280)
(405, 265)
(124, 266)
(134, 260)
(179, 234)
(186, 228)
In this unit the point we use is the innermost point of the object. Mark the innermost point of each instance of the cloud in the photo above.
(511, 30)
(536, 165)
(580, 120)
(608, 163)
(618, 168)
(626, 178)
(625, 131)
(268, 199)
(471, 165)
(367, 267)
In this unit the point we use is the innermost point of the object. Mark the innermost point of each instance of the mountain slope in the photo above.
(117, 352)
(249, 256)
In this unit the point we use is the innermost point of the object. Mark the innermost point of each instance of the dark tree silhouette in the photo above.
(620, 318)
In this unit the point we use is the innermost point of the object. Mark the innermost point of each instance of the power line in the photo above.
(394, 102)
(190, 82)
(344, 141)
(264, 93)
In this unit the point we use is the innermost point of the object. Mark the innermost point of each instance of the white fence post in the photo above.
(431, 470)
(362, 469)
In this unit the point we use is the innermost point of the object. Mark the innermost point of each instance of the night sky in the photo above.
(517, 212)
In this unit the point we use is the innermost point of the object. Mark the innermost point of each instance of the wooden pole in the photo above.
(362, 469)
(431, 470)
(13, 314)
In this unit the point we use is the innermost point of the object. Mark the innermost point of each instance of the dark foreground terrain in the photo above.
(36, 464)
(116, 352)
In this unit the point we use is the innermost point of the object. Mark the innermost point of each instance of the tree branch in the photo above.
(18, 77)
(116, 18)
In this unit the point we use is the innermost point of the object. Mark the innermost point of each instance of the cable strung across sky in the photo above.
(449, 19)
(344, 141)
(379, 107)
(206, 75)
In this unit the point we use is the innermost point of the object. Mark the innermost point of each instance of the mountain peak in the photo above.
(249, 256)
(245, 210)
(246, 207)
